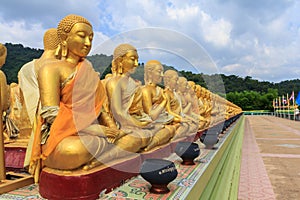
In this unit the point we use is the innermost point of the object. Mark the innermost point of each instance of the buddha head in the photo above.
(182, 84)
(51, 46)
(192, 87)
(170, 79)
(153, 72)
(50, 39)
(125, 59)
(3, 54)
(75, 34)
(198, 91)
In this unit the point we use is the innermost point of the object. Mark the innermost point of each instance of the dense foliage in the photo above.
(245, 92)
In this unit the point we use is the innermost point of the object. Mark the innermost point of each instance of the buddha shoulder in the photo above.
(118, 81)
(49, 69)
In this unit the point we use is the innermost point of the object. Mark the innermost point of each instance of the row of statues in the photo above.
(79, 120)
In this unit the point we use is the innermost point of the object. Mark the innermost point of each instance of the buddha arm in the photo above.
(177, 118)
(4, 92)
(187, 108)
(147, 104)
(49, 86)
(114, 91)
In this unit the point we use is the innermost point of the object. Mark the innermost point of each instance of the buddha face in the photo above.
(129, 62)
(79, 40)
(172, 83)
(182, 84)
(157, 74)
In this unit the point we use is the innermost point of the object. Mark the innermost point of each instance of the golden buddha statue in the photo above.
(204, 108)
(192, 88)
(173, 106)
(125, 100)
(68, 133)
(183, 91)
(28, 83)
(4, 88)
(14, 113)
(215, 109)
(3, 84)
(207, 103)
(154, 102)
(27, 75)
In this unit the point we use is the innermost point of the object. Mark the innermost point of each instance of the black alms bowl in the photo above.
(188, 151)
(159, 173)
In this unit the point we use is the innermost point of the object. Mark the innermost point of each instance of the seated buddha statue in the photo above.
(183, 92)
(28, 83)
(27, 75)
(173, 105)
(13, 116)
(204, 109)
(207, 100)
(195, 104)
(125, 100)
(218, 109)
(68, 133)
(4, 88)
(154, 102)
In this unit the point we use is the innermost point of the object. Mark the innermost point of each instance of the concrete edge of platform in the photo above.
(221, 177)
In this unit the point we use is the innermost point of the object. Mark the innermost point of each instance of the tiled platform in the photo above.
(270, 159)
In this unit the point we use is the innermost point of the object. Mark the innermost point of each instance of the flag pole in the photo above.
(283, 106)
(276, 104)
(274, 107)
(288, 105)
(279, 102)
(294, 105)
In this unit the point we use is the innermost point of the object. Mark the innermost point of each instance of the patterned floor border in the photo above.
(254, 181)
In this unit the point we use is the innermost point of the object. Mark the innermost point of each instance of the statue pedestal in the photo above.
(58, 184)
(80, 184)
(14, 158)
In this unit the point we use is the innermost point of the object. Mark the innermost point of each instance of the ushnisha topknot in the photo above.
(51, 40)
(122, 49)
(65, 25)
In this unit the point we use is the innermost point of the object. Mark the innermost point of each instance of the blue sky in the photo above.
(257, 38)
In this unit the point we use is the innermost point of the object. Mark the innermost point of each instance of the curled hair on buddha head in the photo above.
(181, 78)
(148, 69)
(66, 24)
(50, 39)
(119, 52)
(170, 73)
(3, 50)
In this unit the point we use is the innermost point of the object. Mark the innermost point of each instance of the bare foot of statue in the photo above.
(92, 164)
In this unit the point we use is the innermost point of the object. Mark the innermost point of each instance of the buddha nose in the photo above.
(88, 41)
(136, 63)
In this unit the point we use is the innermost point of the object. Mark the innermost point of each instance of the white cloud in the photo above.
(216, 32)
(18, 32)
(182, 13)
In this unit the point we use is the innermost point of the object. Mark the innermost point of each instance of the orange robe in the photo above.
(81, 101)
